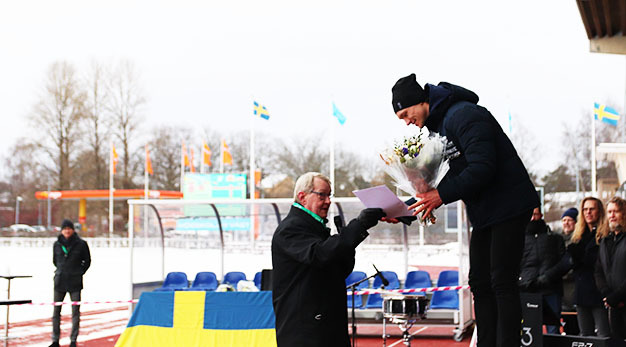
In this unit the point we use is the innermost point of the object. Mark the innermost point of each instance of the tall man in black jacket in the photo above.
(488, 175)
(72, 259)
(310, 267)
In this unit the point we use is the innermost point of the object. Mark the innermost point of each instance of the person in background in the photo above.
(539, 272)
(310, 267)
(570, 323)
(71, 257)
(611, 265)
(583, 251)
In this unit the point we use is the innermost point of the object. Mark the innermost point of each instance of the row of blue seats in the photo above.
(205, 280)
(414, 279)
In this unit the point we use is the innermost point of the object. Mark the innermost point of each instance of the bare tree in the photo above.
(96, 125)
(164, 148)
(127, 101)
(57, 116)
(526, 146)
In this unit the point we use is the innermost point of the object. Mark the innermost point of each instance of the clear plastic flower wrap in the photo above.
(417, 163)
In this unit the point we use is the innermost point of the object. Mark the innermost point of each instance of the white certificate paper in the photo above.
(384, 198)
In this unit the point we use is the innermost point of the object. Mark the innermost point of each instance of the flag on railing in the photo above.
(185, 155)
(261, 111)
(340, 117)
(206, 154)
(148, 162)
(605, 114)
(115, 159)
(227, 159)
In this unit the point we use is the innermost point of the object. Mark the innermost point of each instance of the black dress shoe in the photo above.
(54, 344)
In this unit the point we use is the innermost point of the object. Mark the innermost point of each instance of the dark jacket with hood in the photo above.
(543, 250)
(611, 269)
(308, 280)
(72, 259)
(488, 175)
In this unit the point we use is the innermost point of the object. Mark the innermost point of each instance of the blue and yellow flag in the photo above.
(340, 117)
(186, 318)
(605, 114)
(260, 110)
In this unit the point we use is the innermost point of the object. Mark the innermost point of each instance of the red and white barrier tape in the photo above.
(73, 303)
(408, 291)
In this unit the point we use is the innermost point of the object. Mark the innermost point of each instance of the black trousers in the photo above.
(617, 322)
(495, 256)
(56, 316)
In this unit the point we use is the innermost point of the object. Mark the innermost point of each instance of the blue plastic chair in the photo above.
(449, 298)
(233, 278)
(174, 281)
(418, 279)
(354, 277)
(257, 280)
(204, 281)
(376, 300)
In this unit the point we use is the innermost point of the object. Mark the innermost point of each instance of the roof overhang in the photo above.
(605, 24)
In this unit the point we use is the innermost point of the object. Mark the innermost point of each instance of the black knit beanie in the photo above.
(407, 92)
(67, 224)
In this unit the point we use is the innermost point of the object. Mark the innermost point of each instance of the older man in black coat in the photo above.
(488, 175)
(610, 271)
(310, 267)
(72, 259)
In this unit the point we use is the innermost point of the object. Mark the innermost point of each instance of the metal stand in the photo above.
(8, 303)
(352, 288)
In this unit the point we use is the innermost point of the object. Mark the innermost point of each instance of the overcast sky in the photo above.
(203, 62)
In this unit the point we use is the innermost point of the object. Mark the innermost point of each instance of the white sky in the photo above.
(202, 62)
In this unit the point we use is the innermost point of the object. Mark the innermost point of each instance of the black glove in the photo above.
(369, 217)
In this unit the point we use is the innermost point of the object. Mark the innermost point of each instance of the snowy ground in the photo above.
(108, 279)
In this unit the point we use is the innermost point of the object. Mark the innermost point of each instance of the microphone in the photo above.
(382, 278)
(338, 223)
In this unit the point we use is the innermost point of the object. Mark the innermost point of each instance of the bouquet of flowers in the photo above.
(417, 163)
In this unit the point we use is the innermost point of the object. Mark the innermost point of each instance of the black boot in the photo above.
(72, 344)
(55, 344)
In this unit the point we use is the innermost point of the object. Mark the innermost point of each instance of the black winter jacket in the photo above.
(583, 256)
(70, 265)
(611, 269)
(488, 175)
(543, 250)
(308, 280)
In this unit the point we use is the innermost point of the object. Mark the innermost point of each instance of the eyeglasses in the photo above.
(322, 195)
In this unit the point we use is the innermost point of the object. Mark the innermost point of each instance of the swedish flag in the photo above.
(260, 110)
(605, 114)
(185, 318)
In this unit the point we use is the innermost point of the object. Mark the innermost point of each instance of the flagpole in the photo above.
(251, 180)
(145, 193)
(222, 156)
(593, 155)
(111, 189)
(332, 155)
(182, 165)
(145, 175)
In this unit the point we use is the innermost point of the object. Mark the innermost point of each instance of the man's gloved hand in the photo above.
(369, 217)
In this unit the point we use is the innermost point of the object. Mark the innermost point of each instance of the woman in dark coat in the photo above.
(584, 252)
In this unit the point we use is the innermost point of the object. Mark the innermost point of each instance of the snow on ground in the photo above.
(108, 279)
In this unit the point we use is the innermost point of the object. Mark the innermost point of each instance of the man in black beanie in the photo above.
(70, 255)
(488, 175)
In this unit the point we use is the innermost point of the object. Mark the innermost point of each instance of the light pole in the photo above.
(17, 209)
